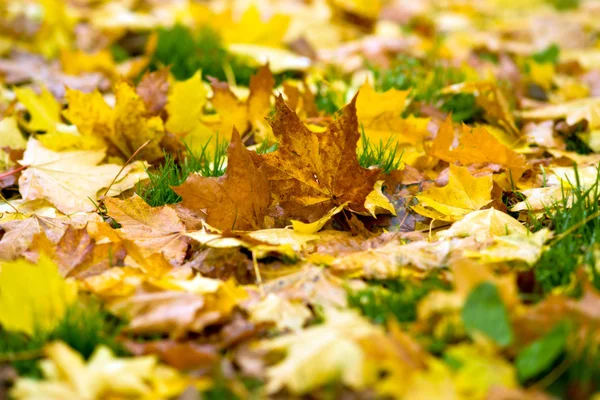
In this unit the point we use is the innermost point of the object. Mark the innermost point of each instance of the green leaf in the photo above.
(548, 55)
(541, 354)
(485, 312)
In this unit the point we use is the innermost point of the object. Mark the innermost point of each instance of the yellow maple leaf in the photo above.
(67, 376)
(252, 28)
(75, 62)
(43, 109)
(320, 353)
(185, 103)
(56, 31)
(33, 297)
(463, 194)
(125, 127)
(380, 116)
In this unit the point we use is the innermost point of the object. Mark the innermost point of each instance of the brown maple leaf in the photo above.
(236, 201)
(312, 172)
(153, 90)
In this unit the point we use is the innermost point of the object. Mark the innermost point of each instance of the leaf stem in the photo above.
(124, 165)
(14, 171)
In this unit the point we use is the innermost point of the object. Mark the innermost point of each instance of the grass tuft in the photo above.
(383, 299)
(577, 235)
(187, 52)
(158, 191)
(383, 155)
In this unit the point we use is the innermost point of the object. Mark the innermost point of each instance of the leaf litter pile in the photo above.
(329, 199)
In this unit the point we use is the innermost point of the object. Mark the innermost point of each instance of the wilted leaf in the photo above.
(184, 105)
(380, 116)
(321, 353)
(153, 90)
(10, 135)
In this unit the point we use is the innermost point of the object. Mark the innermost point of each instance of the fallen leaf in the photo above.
(185, 103)
(154, 229)
(320, 353)
(463, 194)
(43, 109)
(236, 201)
(313, 172)
(476, 145)
(72, 180)
(153, 90)
(19, 233)
(380, 116)
(489, 97)
(33, 297)
(10, 135)
(103, 375)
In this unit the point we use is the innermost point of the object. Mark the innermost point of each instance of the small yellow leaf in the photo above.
(10, 135)
(376, 202)
(33, 297)
(463, 194)
(43, 108)
(316, 226)
(185, 104)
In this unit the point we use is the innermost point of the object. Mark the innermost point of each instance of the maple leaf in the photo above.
(184, 105)
(312, 172)
(10, 135)
(76, 253)
(154, 229)
(251, 28)
(489, 97)
(19, 233)
(104, 376)
(43, 109)
(125, 127)
(153, 90)
(177, 305)
(463, 194)
(319, 353)
(236, 201)
(476, 145)
(234, 112)
(70, 179)
(380, 116)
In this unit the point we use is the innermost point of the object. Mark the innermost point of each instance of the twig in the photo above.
(124, 165)
(257, 273)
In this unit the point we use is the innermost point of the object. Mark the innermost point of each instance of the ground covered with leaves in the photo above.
(328, 199)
